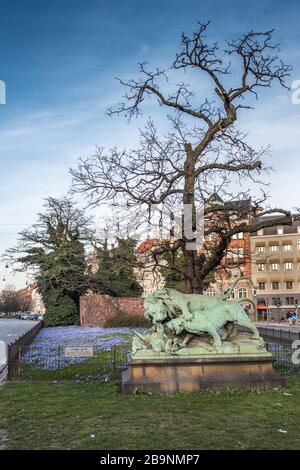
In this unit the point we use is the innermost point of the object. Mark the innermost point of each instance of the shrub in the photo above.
(120, 320)
(61, 311)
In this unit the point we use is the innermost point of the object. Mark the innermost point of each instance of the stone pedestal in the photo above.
(171, 374)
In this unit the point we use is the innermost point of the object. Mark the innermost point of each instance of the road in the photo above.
(10, 329)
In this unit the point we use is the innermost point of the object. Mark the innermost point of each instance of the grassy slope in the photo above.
(65, 415)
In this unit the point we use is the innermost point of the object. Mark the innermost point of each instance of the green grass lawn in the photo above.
(37, 415)
(104, 363)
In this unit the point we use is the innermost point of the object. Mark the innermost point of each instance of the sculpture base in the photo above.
(171, 374)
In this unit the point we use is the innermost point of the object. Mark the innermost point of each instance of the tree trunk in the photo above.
(193, 283)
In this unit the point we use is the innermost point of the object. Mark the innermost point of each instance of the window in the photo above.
(243, 292)
(287, 247)
(238, 236)
(274, 266)
(260, 249)
(298, 244)
(262, 285)
(275, 285)
(289, 300)
(288, 266)
(261, 267)
(280, 230)
(236, 253)
(289, 284)
(276, 301)
(274, 248)
(211, 291)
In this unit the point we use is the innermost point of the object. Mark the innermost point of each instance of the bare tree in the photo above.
(12, 301)
(25, 301)
(202, 153)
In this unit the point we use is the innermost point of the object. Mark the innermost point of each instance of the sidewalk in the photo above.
(11, 330)
(283, 325)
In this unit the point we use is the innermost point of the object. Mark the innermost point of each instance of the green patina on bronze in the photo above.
(194, 325)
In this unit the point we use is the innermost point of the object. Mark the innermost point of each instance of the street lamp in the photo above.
(255, 301)
(268, 311)
(278, 307)
(296, 307)
(3, 278)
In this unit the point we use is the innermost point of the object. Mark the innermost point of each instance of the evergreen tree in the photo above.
(61, 309)
(53, 249)
(116, 269)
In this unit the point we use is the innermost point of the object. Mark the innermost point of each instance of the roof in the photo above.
(215, 199)
(240, 203)
(287, 229)
(28, 289)
(147, 245)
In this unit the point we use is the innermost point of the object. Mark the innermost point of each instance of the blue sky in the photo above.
(59, 60)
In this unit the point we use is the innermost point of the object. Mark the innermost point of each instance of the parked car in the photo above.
(29, 316)
(25, 316)
(18, 315)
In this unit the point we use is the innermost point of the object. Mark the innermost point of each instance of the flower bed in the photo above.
(47, 350)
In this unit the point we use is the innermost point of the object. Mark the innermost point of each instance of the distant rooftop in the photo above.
(287, 229)
(215, 199)
(147, 245)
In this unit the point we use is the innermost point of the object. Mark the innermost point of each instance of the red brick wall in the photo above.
(131, 306)
(95, 308)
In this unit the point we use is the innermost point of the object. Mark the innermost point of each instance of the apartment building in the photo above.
(236, 262)
(31, 295)
(275, 266)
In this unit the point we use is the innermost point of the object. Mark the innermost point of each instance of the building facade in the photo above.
(236, 262)
(31, 294)
(275, 265)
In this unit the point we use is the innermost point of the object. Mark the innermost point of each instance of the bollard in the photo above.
(3, 361)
